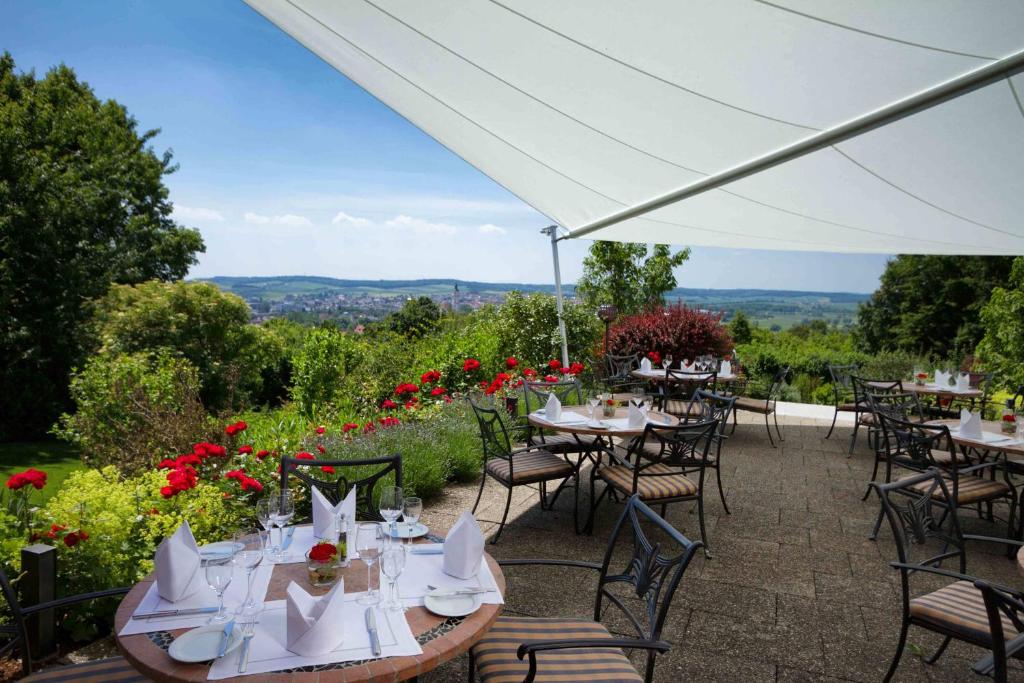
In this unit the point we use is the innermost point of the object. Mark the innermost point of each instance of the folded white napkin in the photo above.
(463, 547)
(687, 366)
(963, 382)
(637, 417)
(726, 368)
(941, 378)
(324, 513)
(970, 424)
(314, 624)
(645, 365)
(177, 563)
(553, 408)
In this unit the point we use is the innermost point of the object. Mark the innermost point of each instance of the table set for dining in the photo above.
(305, 600)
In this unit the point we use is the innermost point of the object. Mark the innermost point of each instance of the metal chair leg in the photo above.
(703, 531)
(483, 480)
(874, 473)
(775, 419)
(938, 653)
(835, 417)
(768, 428)
(472, 666)
(899, 652)
(501, 527)
(878, 525)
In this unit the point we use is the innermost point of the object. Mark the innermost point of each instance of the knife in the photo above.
(224, 638)
(243, 659)
(174, 612)
(456, 593)
(371, 628)
(287, 538)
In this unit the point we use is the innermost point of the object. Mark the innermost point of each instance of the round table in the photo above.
(990, 427)
(582, 429)
(441, 638)
(662, 376)
(930, 390)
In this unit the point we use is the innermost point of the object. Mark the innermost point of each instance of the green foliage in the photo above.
(527, 328)
(196, 321)
(806, 351)
(621, 273)
(416, 318)
(321, 369)
(134, 409)
(1002, 348)
(930, 305)
(82, 205)
(739, 328)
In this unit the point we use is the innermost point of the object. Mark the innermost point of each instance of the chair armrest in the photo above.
(550, 563)
(980, 466)
(631, 643)
(75, 599)
(526, 449)
(993, 539)
(987, 664)
(932, 570)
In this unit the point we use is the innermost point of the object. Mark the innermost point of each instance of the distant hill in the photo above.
(765, 306)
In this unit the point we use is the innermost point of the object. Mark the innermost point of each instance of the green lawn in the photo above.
(56, 458)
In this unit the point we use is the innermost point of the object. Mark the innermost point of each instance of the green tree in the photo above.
(194, 320)
(527, 328)
(82, 205)
(328, 355)
(416, 318)
(1002, 317)
(931, 305)
(622, 273)
(740, 329)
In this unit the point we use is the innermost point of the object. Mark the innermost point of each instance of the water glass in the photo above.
(248, 557)
(392, 562)
(283, 513)
(265, 509)
(218, 571)
(667, 358)
(412, 508)
(594, 402)
(390, 507)
(369, 538)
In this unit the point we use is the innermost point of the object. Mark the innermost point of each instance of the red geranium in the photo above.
(654, 356)
(74, 537)
(554, 363)
(348, 427)
(327, 469)
(576, 368)
(437, 391)
(470, 365)
(387, 421)
(430, 377)
(388, 404)
(529, 373)
(406, 388)
(550, 378)
(31, 476)
(511, 362)
(321, 429)
(323, 552)
(245, 450)
(320, 449)
(262, 454)
(236, 428)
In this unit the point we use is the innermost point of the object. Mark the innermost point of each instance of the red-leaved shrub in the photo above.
(677, 330)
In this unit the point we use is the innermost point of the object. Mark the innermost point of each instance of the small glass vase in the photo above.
(608, 407)
(322, 574)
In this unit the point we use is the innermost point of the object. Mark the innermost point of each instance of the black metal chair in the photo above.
(513, 467)
(15, 635)
(922, 447)
(658, 466)
(842, 391)
(576, 650)
(862, 416)
(678, 388)
(706, 406)
(905, 406)
(568, 392)
(922, 515)
(766, 406)
(1005, 610)
(618, 370)
(365, 475)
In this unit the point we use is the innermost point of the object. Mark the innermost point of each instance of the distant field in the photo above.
(56, 458)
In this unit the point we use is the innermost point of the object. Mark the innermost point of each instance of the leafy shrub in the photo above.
(678, 330)
(527, 328)
(1002, 348)
(322, 366)
(133, 409)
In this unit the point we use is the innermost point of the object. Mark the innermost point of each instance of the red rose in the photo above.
(262, 454)
(250, 484)
(470, 365)
(550, 378)
(368, 427)
(320, 449)
(167, 491)
(406, 388)
(304, 456)
(554, 363)
(31, 476)
(323, 552)
(576, 368)
(411, 403)
(437, 391)
(235, 474)
(389, 421)
(511, 362)
(72, 539)
(529, 373)
(230, 430)
(188, 459)
(348, 427)
(240, 426)
(321, 429)
(245, 450)
(494, 386)
(430, 377)
(388, 404)
(654, 356)
(327, 469)
(564, 371)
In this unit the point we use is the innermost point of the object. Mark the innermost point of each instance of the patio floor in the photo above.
(795, 590)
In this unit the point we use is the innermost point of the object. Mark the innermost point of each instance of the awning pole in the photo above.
(552, 232)
(925, 99)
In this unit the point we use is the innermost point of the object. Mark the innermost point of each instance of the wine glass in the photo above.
(412, 508)
(667, 360)
(594, 402)
(368, 541)
(392, 562)
(285, 511)
(390, 507)
(265, 509)
(248, 557)
(219, 569)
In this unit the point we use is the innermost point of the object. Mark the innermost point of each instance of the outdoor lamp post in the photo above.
(607, 313)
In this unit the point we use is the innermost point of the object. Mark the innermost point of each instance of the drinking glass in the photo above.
(218, 577)
(284, 512)
(390, 507)
(639, 398)
(265, 509)
(668, 360)
(368, 542)
(412, 508)
(594, 402)
(248, 557)
(392, 562)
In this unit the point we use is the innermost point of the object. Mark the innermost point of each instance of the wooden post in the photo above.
(39, 584)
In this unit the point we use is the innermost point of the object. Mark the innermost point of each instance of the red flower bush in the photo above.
(576, 368)
(205, 450)
(327, 469)
(430, 377)
(406, 389)
(655, 357)
(30, 477)
(181, 478)
(529, 373)
(554, 364)
(683, 332)
(236, 428)
(470, 365)
(511, 362)
(438, 391)
(321, 429)
(245, 450)
(550, 378)
(74, 537)
(348, 427)
(388, 404)
(262, 454)
(323, 552)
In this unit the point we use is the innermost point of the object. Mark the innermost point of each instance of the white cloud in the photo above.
(288, 219)
(342, 218)
(491, 229)
(197, 214)
(420, 226)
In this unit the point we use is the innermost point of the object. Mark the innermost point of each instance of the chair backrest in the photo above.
(1001, 603)
(14, 633)
(707, 405)
(493, 434)
(620, 367)
(536, 393)
(842, 380)
(652, 573)
(913, 445)
(862, 387)
(775, 390)
(924, 526)
(679, 385)
(900, 405)
(684, 447)
(363, 474)
(1018, 397)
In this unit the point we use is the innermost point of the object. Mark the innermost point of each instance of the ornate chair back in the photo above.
(618, 368)
(912, 445)
(706, 406)
(679, 387)
(494, 436)
(536, 393)
(363, 474)
(842, 381)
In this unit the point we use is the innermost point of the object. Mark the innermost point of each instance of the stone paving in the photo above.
(795, 591)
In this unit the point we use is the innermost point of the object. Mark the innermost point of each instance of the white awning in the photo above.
(584, 109)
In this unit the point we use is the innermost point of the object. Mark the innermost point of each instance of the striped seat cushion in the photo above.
(113, 670)
(656, 482)
(564, 443)
(753, 405)
(960, 608)
(652, 451)
(530, 467)
(496, 660)
(970, 489)
(849, 407)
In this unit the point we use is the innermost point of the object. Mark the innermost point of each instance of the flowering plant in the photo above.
(21, 485)
(323, 552)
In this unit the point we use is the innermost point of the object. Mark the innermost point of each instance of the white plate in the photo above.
(451, 606)
(405, 530)
(201, 644)
(219, 549)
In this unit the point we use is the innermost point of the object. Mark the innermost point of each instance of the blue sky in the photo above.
(287, 167)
